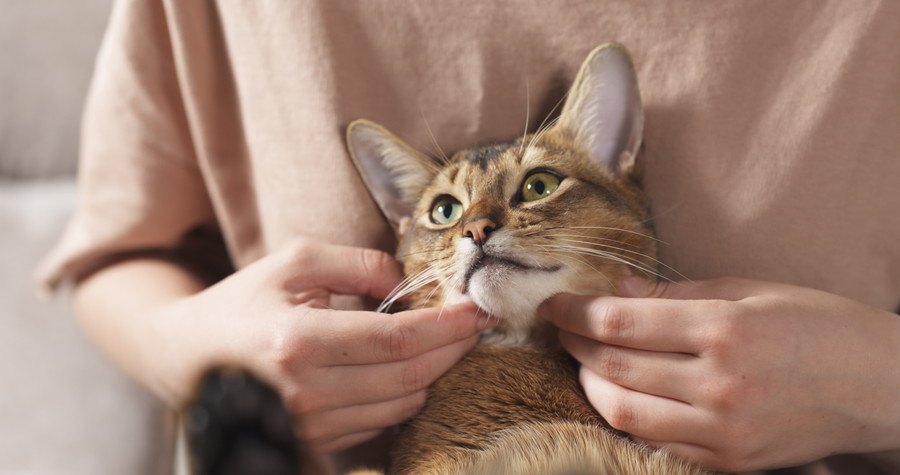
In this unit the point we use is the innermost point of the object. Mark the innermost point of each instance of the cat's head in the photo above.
(509, 225)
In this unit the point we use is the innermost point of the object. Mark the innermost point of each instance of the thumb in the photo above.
(722, 289)
(343, 270)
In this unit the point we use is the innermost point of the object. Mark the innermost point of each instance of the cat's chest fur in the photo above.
(494, 387)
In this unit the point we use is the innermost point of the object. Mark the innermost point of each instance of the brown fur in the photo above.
(521, 407)
(515, 406)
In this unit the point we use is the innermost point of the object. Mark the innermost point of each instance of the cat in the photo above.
(507, 226)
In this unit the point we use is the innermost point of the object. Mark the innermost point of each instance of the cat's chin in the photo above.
(513, 298)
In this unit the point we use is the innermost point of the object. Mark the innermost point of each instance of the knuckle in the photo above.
(281, 353)
(374, 262)
(612, 364)
(298, 402)
(312, 433)
(614, 323)
(285, 352)
(301, 249)
(394, 341)
(413, 376)
(725, 331)
(412, 405)
(622, 416)
(725, 394)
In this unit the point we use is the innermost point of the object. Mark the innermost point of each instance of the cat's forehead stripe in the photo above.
(484, 155)
(453, 172)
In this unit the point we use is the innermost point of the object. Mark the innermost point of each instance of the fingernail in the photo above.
(634, 287)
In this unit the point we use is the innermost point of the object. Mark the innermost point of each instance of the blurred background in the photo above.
(63, 408)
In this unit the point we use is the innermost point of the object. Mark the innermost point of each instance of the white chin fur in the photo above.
(509, 293)
(513, 295)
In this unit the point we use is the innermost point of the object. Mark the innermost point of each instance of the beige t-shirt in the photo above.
(772, 128)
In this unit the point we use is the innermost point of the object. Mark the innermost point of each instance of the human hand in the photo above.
(345, 375)
(736, 374)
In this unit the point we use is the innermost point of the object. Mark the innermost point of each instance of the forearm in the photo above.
(887, 361)
(121, 310)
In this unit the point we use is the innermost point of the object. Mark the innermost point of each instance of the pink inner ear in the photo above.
(367, 149)
(393, 172)
(604, 110)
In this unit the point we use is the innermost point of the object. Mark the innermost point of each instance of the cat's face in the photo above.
(509, 225)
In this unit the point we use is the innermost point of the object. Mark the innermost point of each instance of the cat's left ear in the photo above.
(603, 111)
(395, 173)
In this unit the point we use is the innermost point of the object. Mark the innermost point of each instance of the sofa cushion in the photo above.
(64, 408)
(47, 58)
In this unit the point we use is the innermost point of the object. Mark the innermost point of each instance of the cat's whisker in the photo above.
(546, 118)
(527, 113)
(611, 257)
(657, 261)
(607, 255)
(614, 229)
(410, 285)
(588, 263)
(406, 280)
(557, 258)
(587, 236)
(411, 288)
(442, 155)
(455, 279)
(540, 134)
(423, 251)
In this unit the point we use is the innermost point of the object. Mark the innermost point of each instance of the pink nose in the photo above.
(479, 229)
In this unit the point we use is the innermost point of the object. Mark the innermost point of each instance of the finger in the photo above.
(368, 338)
(715, 289)
(325, 426)
(646, 324)
(661, 374)
(387, 381)
(342, 269)
(640, 414)
(344, 442)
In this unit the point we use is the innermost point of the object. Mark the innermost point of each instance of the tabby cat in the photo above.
(508, 226)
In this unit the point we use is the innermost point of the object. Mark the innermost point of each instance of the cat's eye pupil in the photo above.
(539, 185)
(446, 210)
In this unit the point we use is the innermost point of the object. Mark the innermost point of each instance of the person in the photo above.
(220, 220)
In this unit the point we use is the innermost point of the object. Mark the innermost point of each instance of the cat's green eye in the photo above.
(446, 210)
(539, 185)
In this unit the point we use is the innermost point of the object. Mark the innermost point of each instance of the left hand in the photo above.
(735, 374)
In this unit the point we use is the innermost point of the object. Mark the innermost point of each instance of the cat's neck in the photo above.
(540, 333)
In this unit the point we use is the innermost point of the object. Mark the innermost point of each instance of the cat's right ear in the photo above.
(395, 173)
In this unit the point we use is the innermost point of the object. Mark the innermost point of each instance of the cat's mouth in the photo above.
(484, 260)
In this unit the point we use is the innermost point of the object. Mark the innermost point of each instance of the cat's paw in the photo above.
(237, 425)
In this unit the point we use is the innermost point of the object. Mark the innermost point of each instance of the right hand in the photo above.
(345, 375)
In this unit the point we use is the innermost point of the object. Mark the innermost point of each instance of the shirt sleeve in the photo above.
(140, 188)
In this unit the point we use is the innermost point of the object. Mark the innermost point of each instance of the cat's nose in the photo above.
(479, 229)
